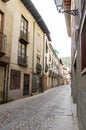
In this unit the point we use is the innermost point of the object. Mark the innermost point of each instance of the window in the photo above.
(45, 60)
(22, 58)
(38, 60)
(46, 47)
(46, 66)
(1, 21)
(22, 50)
(39, 43)
(24, 29)
(83, 46)
(49, 57)
(15, 79)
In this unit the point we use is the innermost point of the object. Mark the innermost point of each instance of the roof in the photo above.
(30, 6)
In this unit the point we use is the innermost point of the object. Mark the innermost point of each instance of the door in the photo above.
(40, 85)
(45, 83)
(26, 84)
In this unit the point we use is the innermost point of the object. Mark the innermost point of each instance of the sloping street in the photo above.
(51, 110)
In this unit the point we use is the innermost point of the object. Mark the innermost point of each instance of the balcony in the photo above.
(3, 43)
(23, 61)
(38, 68)
(5, 0)
(4, 60)
(24, 37)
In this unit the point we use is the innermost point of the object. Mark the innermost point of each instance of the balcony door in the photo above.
(26, 84)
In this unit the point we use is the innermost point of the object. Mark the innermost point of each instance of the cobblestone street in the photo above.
(51, 110)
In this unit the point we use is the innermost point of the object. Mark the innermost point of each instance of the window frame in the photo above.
(14, 79)
(24, 30)
(2, 21)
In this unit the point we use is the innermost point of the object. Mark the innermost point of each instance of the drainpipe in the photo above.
(5, 87)
(43, 60)
(4, 84)
(7, 83)
(33, 47)
(33, 54)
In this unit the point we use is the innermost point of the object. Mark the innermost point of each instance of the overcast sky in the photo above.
(56, 25)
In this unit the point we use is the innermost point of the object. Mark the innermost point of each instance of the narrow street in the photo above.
(51, 110)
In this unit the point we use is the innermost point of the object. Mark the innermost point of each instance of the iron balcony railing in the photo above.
(23, 61)
(3, 44)
(24, 37)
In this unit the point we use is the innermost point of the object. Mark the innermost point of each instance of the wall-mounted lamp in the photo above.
(60, 7)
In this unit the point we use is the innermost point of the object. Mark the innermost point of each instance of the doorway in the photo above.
(26, 84)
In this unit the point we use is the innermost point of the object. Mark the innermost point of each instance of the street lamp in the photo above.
(60, 7)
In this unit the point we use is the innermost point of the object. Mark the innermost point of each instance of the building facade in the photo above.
(22, 34)
(53, 71)
(78, 57)
(4, 50)
(28, 62)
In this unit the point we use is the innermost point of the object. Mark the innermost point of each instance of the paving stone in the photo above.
(51, 110)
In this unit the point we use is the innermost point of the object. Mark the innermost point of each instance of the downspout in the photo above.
(7, 83)
(33, 55)
(43, 60)
(4, 86)
(33, 47)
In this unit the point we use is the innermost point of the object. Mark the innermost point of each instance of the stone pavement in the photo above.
(51, 110)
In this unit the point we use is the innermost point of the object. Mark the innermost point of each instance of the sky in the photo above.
(56, 25)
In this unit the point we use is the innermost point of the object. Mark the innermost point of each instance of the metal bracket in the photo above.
(71, 12)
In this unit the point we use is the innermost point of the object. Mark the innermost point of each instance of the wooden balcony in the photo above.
(24, 37)
(3, 43)
(23, 61)
(4, 60)
(5, 0)
(38, 68)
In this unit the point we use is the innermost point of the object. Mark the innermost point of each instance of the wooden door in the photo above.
(26, 84)
(40, 84)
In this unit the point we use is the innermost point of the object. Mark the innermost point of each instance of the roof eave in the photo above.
(30, 6)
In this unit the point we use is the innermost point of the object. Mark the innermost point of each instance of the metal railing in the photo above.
(23, 61)
(24, 36)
